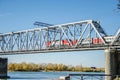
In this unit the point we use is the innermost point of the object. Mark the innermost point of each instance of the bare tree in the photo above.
(118, 6)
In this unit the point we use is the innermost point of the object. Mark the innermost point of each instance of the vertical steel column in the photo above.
(40, 37)
(74, 32)
(26, 42)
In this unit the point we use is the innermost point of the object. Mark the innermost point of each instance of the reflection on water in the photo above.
(43, 75)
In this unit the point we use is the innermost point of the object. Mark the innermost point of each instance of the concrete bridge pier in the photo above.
(112, 58)
(3, 68)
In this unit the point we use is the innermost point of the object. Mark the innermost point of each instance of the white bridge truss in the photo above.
(36, 40)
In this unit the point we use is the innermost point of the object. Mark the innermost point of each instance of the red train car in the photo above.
(48, 43)
(74, 42)
(66, 43)
(97, 41)
(57, 43)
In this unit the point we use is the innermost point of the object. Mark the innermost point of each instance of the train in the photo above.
(68, 43)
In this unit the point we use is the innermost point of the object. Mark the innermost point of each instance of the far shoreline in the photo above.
(31, 67)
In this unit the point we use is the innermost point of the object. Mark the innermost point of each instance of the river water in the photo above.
(45, 75)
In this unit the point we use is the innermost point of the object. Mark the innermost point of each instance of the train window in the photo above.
(70, 40)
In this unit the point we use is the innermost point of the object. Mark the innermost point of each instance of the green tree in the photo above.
(49, 67)
(70, 68)
(79, 68)
(11, 67)
(61, 67)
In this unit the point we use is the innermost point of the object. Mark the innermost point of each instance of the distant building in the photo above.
(93, 67)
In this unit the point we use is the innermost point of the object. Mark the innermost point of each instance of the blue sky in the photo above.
(16, 15)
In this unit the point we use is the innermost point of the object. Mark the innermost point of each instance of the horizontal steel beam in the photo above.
(59, 50)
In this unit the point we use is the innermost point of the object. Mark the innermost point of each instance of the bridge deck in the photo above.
(59, 50)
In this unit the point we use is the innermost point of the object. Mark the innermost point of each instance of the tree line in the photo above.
(51, 67)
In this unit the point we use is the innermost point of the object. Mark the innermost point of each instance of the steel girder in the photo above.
(33, 40)
(116, 40)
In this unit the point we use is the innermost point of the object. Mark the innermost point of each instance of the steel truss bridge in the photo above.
(36, 40)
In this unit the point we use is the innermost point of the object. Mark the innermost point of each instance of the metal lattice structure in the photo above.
(35, 40)
(117, 38)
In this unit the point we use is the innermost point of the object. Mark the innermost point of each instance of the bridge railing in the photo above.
(93, 77)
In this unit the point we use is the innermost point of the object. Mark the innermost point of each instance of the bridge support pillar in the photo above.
(3, 68)
(112, 63)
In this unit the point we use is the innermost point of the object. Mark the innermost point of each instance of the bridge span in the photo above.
(75, 36)
(81, 35)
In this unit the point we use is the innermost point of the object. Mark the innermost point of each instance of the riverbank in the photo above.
(31, 67)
